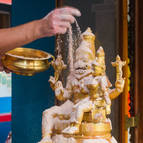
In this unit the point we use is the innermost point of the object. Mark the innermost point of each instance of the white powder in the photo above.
(70, 52)
(62, 139)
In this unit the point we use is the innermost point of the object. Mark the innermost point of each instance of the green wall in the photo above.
(31, 95)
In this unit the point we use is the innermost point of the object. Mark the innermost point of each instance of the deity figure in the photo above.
(82, 118)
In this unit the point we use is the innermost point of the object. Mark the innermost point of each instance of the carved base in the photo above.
(88, 129)
(89, 133)
(96, 129)
(80, 139)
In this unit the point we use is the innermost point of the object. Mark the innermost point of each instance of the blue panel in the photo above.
(5, 105)
(5, 128)
(31, 95)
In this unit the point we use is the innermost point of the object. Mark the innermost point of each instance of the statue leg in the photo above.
(77, 116)
(81, 109)
(48, 123)
(49, 119)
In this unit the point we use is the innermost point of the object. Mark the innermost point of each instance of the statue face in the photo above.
(82, 68)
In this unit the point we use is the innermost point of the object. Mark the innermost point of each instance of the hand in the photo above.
(59, 85)
(59, 91)
(2, 68)
(52, 82)
(58, 21)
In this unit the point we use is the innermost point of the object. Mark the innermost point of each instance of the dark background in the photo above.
(31, 95)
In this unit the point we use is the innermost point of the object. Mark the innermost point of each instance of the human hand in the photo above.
(2, 68)
(58, 21)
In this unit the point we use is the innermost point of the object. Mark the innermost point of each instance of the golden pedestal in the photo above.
(88, 132)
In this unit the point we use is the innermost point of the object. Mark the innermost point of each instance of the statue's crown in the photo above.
(88, 35)
(86, 50)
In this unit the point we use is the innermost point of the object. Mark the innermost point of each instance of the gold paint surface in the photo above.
(95, 129)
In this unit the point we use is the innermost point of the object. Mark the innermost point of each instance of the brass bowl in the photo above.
(26, 61)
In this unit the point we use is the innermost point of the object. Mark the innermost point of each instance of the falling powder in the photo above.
(73, 43)
(70, 51)
(73, 39)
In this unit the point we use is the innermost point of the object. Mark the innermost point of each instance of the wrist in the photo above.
(40, 26)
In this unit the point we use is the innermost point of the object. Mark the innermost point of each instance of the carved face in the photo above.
(81, 67)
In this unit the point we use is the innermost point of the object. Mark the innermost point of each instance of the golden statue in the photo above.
(82, 118)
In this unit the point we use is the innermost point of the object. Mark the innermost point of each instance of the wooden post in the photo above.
(139, 71)
(123, 40)
(136, 65)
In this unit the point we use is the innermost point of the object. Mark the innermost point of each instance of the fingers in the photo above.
(58, 21)
(67, 14)
(61, 30)
(58, 30)
(68, 18)
(60, 27)
(69, 11)
(63, 24)
(7, 70)
(2, 68)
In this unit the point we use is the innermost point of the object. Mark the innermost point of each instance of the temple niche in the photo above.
(87, 96)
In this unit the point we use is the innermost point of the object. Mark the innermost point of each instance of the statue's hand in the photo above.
(58, 66)
(120, 85)
(59, 90)
(52, 82)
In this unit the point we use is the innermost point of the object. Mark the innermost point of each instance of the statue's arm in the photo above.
(119, 87)
(120, 81)
(61, 93)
